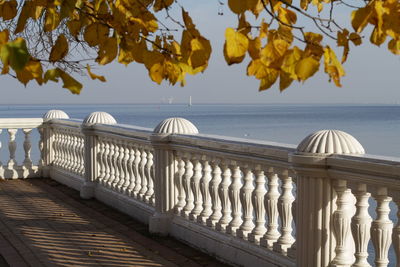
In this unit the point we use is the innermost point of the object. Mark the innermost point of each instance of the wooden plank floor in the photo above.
(43, 223)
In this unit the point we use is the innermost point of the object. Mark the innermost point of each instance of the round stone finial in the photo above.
(176, 126)
(99, 117)
(330, 142)
(55, 114)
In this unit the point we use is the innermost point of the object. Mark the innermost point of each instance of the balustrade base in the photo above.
(16, 172)
(159, 223)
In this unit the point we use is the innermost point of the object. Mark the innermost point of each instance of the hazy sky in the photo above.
(372, 77)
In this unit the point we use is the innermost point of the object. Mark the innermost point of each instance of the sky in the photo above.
(372, 77)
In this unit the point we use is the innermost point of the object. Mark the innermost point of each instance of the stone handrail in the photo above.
(250, 203)
(11, 168)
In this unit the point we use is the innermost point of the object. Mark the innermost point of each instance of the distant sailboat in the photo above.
(190, 101)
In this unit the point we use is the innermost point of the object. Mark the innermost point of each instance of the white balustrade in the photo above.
(234, 198)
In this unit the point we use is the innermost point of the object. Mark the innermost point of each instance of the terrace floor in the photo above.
(44, 223)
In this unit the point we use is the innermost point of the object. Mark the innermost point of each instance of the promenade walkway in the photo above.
(43, 223)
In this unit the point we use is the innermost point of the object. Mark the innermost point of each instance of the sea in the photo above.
(376, 127)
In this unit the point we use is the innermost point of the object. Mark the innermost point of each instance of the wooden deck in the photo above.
(43, 223)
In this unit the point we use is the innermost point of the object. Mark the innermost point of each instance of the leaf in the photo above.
(355, 38)
(60, 49)
(254, 48)
(187, 20)
(237, 6)
(4, 35)
(154, 62)
(332, 66)
(95, 34)
(306, 68)
(94, 76)
(162, 4)
(15, 54)
(25, 14)
(201, 51)
(107, 51)
(69, 83)
(52, 19)
(394, 46)
(32, 70)
(269, 80)
(8, 9)
(285, 81)
(236, 45)
(292, 57)
(359, 18)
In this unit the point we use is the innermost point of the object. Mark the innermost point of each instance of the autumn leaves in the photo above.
(128, 31)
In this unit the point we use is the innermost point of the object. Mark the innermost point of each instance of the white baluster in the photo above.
(285, 201)
(396, 230)
(100, 157)
(186, 187)
(341, 224)
(122, 167)
(27, 148)
(361, 226)
(215, 201)
(125, 185)
(106, 162)
(76, 154)
(245, 199)
(195, 186)
(258, 204)
(150, 176)
(381, 228)
(271, 206)
(223, 192)
(40, 146)
(234, 192)
(143, 162)
(68, 150)
(116, 165)
(131, 169)
(138, 178)
(12, 147)
(205, 192)
(111, 164)
(179, 182)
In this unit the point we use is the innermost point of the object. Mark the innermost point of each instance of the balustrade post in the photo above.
(47, 140)
(91, 147)
(166, 169)
(316, 197)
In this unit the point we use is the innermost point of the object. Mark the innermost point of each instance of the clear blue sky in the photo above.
(372, 77)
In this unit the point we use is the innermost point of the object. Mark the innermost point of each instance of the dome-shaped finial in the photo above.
(99, 117)
(176, 126)
(55, 114)
(330, 142)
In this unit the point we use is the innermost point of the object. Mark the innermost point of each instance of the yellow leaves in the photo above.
(332, 66)
(108, 50)
(306, 68)
(95, 34)
(60, 49)
(69, 83)
(236, 45)
(162, 4)
(32, 70)
(52, 19)
(359, 18)
(94, 76)
(394, 46)
(14, 53)
(8, 9)
(287, 16)
(237, 6)
(4, 35)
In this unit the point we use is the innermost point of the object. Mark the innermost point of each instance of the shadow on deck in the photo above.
(44, 223)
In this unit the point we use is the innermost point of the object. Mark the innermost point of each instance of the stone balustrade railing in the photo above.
(11, 168)
(250, 203)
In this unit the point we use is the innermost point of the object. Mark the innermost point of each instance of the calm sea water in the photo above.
(377, 127)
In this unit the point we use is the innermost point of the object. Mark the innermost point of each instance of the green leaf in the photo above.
(15, 54)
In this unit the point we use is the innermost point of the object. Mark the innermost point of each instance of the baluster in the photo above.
(216, 202)
(1, 163)
(143, 174)
(40, 146)
(150, 177)
(138, 178)
(116, 165)
(223, 192)
(205, 192)
(186, 187)
(179, 182)
(121, 168)
(107, 152)
(82, 155)
(234, 197)
(27, 148)
(341, 223)
(361, 226)
(76, 155)
(73, 152)
(152, 198)
(131, 169)
(68, 150)
(55, 148)
(111, 165)
(381, 228)
(127, 177)
(245, 199)
(12, 147)
(271, 206)
(396, 230)
(101, 154)
(62, 149)
(258, 204)
(285, 201)
(58, 150)
(195, 186)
